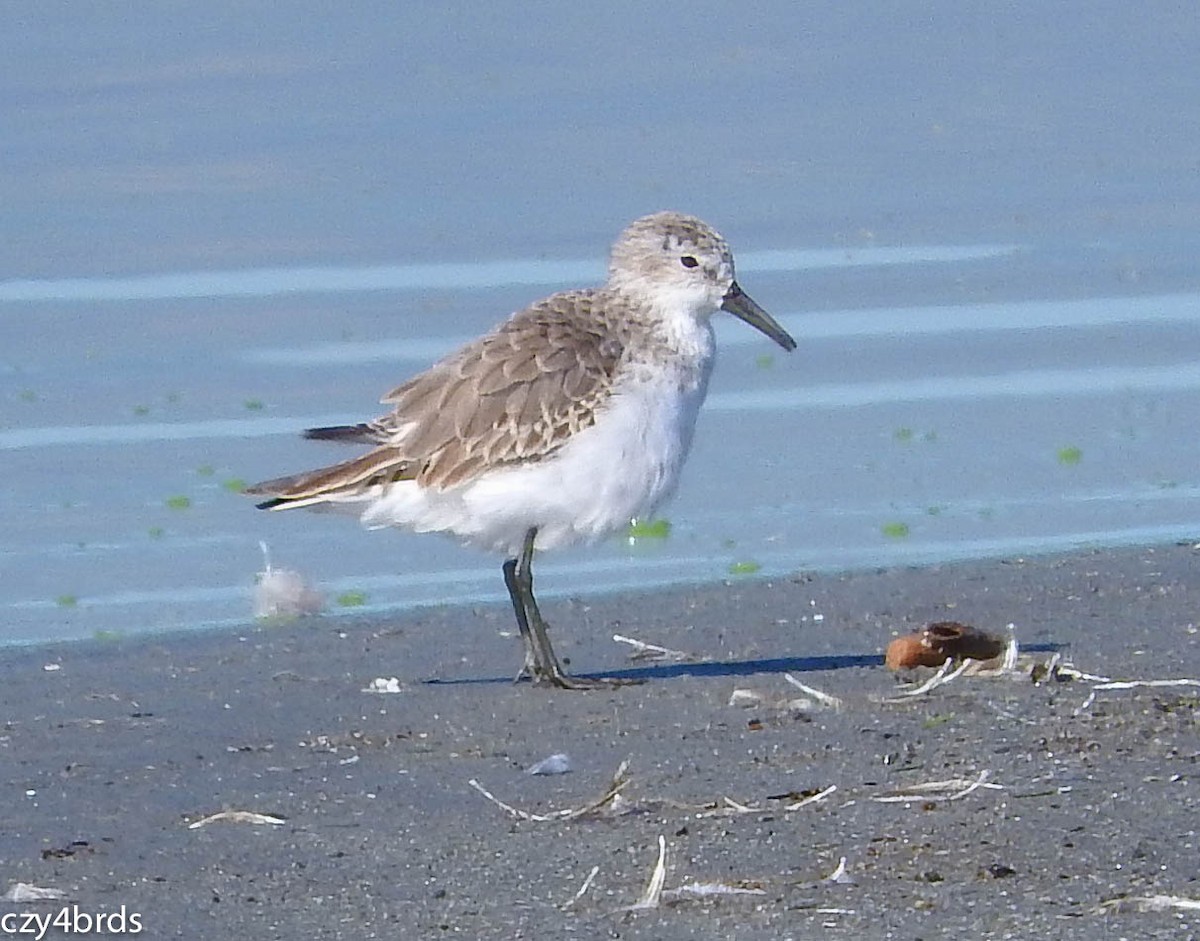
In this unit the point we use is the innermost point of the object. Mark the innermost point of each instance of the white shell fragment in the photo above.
(383, 684)
(27, 892)
(559, 763)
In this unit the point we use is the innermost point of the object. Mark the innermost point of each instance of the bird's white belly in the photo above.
(621, 467)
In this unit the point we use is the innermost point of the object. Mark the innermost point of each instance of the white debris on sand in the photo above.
(384, 684)
(559, 763)
(840, 876)
(283, 593)
(239, 816)
(22, 892)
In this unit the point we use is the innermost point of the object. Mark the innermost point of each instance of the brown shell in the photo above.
(908, 651)
(940, 641)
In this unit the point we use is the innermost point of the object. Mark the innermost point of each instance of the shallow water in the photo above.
(217, 249)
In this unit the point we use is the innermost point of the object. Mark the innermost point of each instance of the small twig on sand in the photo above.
(1133, 684)
(825, 699)
(238, 816)
(975, 785)
(1153, 684)
(812, 798)
(1150, 903)
(1011, 653)
(510, 809)
(653, 893)
(619, 780)
(645, 651)
(1071, 672)
(952, 789)
(943, 676)
(727, 807)
(703, 890)
(587, 884)
(839, 875)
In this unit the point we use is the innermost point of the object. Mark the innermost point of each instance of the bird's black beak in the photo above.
(742, 306)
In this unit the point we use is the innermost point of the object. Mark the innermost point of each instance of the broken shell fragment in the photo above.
(909, 651)
(963, 641)
(936, 643)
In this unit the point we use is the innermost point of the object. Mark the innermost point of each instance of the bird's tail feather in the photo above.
(337, 482)
(361, 433)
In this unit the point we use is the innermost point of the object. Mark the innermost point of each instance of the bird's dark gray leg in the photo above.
(541, 664)
(540, 660)
(516, 594)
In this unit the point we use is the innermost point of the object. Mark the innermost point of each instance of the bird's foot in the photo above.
(556, 676)
(561, 679)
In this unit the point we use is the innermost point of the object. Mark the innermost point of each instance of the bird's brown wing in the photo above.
(515, 394)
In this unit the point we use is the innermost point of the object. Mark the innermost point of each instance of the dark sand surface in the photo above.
(107, 759)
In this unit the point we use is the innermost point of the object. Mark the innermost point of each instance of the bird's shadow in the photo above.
(723, 668)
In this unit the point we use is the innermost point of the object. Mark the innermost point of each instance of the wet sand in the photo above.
(111, 755)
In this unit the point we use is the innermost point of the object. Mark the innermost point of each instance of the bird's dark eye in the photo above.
(688, 261)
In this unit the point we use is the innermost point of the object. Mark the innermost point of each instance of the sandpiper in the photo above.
(562, 424)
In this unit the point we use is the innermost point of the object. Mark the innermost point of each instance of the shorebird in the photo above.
(559, 426)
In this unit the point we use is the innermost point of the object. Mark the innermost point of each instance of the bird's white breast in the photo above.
(620, 467)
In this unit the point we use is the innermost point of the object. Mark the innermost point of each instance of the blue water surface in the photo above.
(224, 223)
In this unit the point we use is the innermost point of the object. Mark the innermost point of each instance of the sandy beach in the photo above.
(1084, 801)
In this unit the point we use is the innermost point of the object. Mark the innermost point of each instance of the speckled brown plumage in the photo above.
(515, 394)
